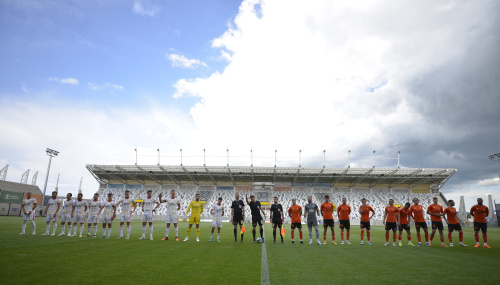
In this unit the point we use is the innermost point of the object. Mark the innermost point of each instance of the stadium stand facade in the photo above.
(212, 182)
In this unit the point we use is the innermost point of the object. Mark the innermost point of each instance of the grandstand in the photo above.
(377, 185)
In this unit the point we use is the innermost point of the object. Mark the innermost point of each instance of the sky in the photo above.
(96, 80)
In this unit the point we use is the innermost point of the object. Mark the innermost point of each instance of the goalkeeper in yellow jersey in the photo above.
(196, 208)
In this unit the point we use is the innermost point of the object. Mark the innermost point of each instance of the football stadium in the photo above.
(91, 254)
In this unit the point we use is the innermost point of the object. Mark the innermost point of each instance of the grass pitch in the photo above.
(52, 259)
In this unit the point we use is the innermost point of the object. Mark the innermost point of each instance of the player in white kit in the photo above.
(127, 211)
(108, 216)
(93, 217)
(78, 213)
(147, 214)
(173, 206)
(28, 206)
(217, 211)
(52, 208)
(67, 214)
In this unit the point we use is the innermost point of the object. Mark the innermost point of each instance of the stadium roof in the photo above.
(334, 176)
(19, 187)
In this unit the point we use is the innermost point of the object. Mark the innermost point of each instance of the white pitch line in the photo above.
(264, 268)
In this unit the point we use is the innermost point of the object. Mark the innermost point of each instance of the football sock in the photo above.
(70, 227)
(81, 229)
(400, 236)
(333, 236)
(426, 237)
(218, 235)
(408, 237)
(151, 230)
(74, 229)
(63, 229)
(461, 236)
(348, 235)
(166, 231)
(274, 234)
(242, 236)
(281, 235)
(189, 232)
(235, 233)
(386, 237)
(88, 230)
(441, 237)
(54, 224)
(121, 230)
(485, 238)
(211, 234)
(109, 232)
(362, 234)
(253, 234)
(432, 236)
(198, 233)
(324, 237)
(317, 232)
(476, 235)
(33, 225)
(24, 226)
(103, 231)
(176, 231)
(342, 235)
(310, 233)
(393, 236)
(300, 234)
(261, 233)
(143, 230)
(95, 230)
(368, 235)
(418, 237)
(293, 234)
(128, 230)
(47, 227)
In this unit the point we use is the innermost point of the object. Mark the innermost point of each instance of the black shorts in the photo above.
(480, 226)
(391, 226)
(328, 223)
(365, 225)
(345, 224)
(452, 227)
(237, 220)
(405, 227)
(296, 225)
(256, 220)
(277, 223)
(437, 225)
(419, 225)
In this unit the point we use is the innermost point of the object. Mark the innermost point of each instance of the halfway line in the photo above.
(264, 269)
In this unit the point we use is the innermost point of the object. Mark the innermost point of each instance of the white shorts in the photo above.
(217, 224)
(106, 220)
(29, 217)
(172, 219)
(93, 219)
(66, 218)
(50, 218)
(79, 219)
(125, 218)
(147, 217)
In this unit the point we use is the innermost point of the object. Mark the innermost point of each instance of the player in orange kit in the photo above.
(365, 210)
(479, 212)
(453, 224)
(417, 214)
(295, 211)
(436, 212)
(343, 212)
(391, 221)
(327, 211)
(404, 220)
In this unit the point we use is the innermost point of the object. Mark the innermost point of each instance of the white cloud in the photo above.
(489, 182)
(179, 60)
(107, 85)
(144, 8)
(25, 88)
(70, 80)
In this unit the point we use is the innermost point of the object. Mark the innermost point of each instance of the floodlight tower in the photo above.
(497, 156)
(51, 153)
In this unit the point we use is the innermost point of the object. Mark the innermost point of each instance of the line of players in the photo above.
(394, 218)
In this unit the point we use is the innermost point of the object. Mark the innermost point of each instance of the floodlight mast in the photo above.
(497, 156)
(51, 153)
